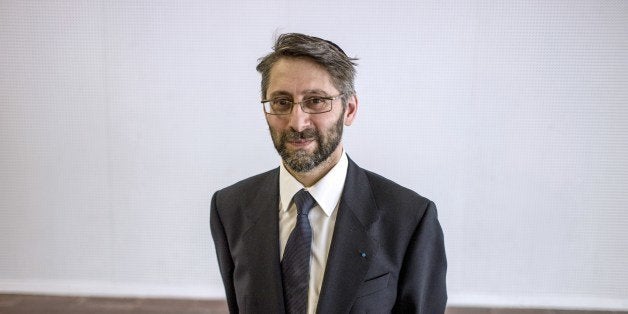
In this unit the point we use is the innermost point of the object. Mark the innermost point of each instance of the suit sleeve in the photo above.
(422, 286)
(225, 262)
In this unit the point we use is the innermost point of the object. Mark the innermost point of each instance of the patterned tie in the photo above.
(295, 265)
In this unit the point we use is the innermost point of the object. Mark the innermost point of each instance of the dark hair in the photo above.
(341, 68)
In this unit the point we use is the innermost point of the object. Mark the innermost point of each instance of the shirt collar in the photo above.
(326, 191)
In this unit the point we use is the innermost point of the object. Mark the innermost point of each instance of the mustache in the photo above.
(292, 135)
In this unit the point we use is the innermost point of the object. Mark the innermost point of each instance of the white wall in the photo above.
(119, 119)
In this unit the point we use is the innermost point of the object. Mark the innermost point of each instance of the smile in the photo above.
(301, 142)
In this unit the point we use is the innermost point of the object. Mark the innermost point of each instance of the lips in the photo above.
(300, 142)
(300, 139)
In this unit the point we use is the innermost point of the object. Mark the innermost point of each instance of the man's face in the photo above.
(304, 140)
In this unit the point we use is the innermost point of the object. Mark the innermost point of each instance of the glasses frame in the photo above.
(300, 103)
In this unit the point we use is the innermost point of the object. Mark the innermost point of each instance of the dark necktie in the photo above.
(295, 266)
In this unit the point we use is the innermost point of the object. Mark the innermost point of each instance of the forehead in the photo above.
(297, 76)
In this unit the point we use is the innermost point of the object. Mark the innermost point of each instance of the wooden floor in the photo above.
(39, 304)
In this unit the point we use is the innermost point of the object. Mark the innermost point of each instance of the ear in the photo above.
(351, 110)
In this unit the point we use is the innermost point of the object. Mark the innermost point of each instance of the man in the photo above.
(320, 234)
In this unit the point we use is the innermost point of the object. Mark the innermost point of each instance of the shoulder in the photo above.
(390, 191)
(394, 200)
(249, 185)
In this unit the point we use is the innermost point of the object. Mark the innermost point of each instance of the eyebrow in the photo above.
(305, 92)
(278, 93)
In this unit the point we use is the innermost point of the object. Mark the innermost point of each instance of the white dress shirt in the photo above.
(326, 192)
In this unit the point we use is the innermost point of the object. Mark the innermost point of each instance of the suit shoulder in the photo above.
(390, 193)
(249, 184)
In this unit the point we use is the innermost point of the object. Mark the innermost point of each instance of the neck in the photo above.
(310, 178)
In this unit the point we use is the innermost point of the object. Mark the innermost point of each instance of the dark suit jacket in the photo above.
(386, 255)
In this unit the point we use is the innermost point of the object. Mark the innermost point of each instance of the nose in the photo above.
(299, 120)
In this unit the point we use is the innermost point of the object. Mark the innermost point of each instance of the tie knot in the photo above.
(304, 201)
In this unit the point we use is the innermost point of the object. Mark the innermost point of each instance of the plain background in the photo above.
(119, 119)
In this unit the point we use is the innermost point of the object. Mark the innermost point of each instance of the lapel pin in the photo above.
(362, 254)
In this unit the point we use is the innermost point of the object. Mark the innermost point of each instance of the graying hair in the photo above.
(341, 68)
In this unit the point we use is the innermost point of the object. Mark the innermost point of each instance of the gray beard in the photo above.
(300, 160)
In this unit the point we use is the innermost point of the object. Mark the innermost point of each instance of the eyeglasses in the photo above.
(311, 105)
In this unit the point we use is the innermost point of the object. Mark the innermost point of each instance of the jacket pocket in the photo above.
(373, 285)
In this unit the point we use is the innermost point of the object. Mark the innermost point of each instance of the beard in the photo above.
(301, 160)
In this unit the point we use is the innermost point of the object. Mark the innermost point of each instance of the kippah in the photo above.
(337, 47)
(333, 44)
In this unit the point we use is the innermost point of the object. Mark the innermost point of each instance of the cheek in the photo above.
(276, 122)
(276, 128)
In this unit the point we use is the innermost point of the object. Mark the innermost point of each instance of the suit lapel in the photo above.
(262, 231)
(352, 247)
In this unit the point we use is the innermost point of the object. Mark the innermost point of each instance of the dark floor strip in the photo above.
(44, 304)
